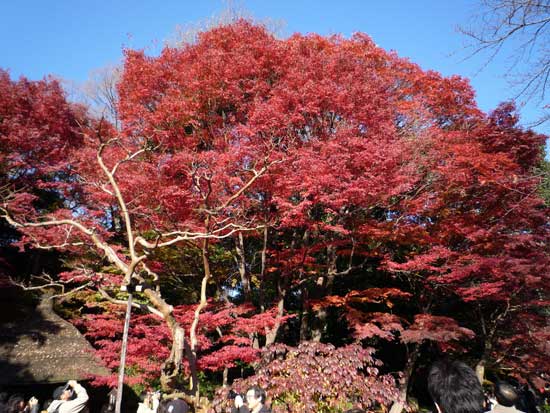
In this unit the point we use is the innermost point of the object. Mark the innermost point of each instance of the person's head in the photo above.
(174, 406)
(145, 397)
(454, 388)
(63, 393)
(16, 403)
(255, 396)
(506, 394)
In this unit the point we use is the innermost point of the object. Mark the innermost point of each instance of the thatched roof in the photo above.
(44, 348)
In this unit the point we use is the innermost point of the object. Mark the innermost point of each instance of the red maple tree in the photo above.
(314, 163)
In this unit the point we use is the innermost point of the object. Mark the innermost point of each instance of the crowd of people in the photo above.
(71, 398)
(453, 386)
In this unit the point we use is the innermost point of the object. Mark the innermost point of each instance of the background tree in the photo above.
(525, 22)
(100, 90)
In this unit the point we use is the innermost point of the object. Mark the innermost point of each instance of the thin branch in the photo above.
(127, 159)
(113, 300)
(58, 246)
(53, 284)
(88, 284)
(189, 236)
(37, 287)
(109, 252)
(256, 175)
(120, 200)
(501, 22)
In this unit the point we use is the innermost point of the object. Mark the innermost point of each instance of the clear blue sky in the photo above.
(70, 38)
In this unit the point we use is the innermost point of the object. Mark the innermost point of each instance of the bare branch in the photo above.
(500, 23)
(100, 244)
(120, 200)
(52, 284)
(190, 236)
(101, 91)
(82, 287)
(27, 287)
(113, 300)
(58, 246)
(127, 159)
(255, 176)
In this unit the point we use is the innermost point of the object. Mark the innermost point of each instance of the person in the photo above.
(507, 397)
(32, 405)
(255, 402)
(149, 402)
(45, 405)
(174, 406)
(70, 398)
(528, 400)
(454, 388)
(16, 404)
(109, 406)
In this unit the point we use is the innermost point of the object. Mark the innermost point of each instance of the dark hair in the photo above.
(162, 406)
(259, 393)
(14, 403)
(506, 394)
(178, 405)
(355, 411)
(58, 391)
(455, 388)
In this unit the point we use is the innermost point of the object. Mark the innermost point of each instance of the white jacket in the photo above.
(71, 406)
(142, 408)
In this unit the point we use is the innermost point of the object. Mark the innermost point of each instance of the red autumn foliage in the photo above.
(225, 337)
(435, 328)
(317, 377)
(357, 162)
(38, 127)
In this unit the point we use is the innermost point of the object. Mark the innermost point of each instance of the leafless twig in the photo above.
(527, 22)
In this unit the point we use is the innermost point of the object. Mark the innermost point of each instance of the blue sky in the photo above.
(71, 38)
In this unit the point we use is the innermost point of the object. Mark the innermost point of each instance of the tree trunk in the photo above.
(262, 269)
(171, 369)
(318, 323)
(271, 335)
(225, 377)
(331, 268)
(241, 263)
(318, 319)
(304, 316)
(480, 365)
(194, 385)
(489, 334)
(399, 404)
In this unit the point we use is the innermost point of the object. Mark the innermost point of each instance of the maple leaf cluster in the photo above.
(315, 377)
(225, 338)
